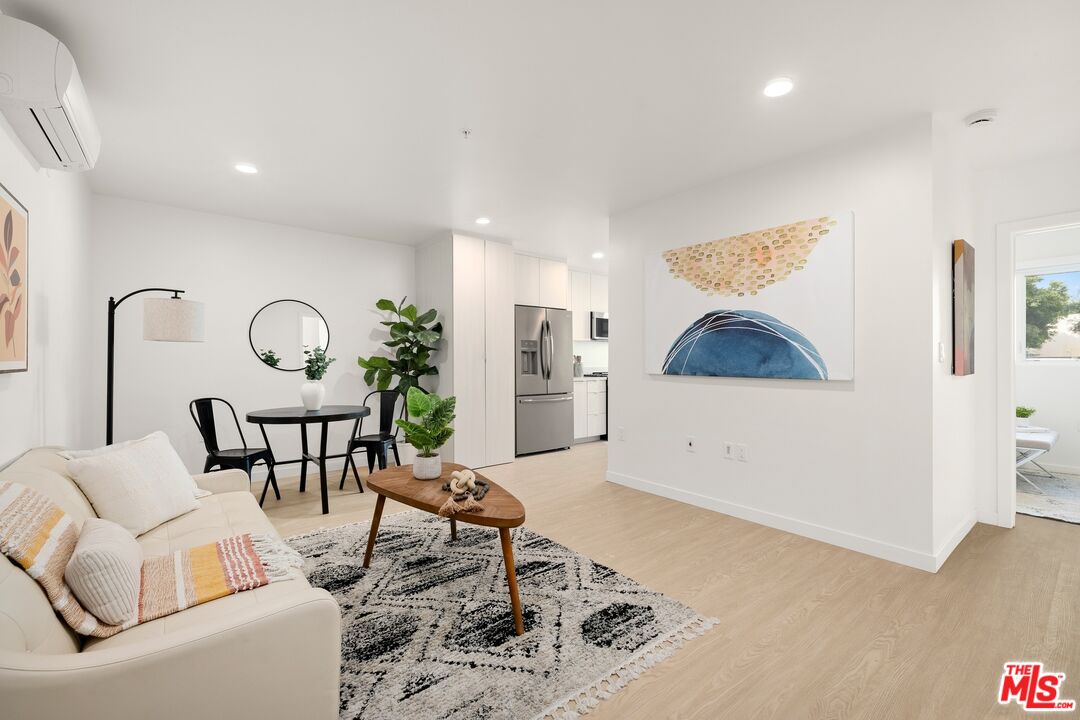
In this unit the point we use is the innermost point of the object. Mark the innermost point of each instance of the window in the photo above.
(1051, 313)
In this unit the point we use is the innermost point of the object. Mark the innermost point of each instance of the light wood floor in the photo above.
(806, 630)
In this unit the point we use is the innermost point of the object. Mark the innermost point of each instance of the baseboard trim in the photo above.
(840, 538)
(958, 535)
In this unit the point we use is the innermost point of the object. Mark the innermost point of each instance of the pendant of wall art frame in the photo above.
(775, 303)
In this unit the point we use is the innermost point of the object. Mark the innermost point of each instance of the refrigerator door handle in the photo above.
(550, 349)
(543, 351)
(545, 400)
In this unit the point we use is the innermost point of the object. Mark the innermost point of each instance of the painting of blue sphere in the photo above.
(744, 343)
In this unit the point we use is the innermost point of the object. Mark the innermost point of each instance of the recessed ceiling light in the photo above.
(778, 86)
(598, 255)
(483, 221)
(246, 168)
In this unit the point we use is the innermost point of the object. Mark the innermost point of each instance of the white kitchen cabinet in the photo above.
(595, 407)
(581, 411)
(468, 280)
(526, 280)
(580, 304)
(598, 293)
(553, 282)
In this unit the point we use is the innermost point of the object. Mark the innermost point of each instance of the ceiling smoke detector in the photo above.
(981, 117)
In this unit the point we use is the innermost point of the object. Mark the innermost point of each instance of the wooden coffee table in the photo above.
(501, 510)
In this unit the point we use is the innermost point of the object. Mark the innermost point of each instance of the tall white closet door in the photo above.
(469, 347)
(499, 343)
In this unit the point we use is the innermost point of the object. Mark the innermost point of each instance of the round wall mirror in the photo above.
(281, 330)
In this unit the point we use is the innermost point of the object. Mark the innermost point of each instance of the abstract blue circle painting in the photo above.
(744, 343)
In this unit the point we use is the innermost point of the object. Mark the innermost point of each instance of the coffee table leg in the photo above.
(374, 529)
(453, 529)
(511, 577)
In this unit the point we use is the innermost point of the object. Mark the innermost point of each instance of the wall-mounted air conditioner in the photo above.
(43, 99)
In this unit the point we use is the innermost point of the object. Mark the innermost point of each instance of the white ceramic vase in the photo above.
(1023, 422)
(427, 468)
(312, 394)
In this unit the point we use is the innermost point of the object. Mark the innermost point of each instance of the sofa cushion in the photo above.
(104, 571)
(138, 486)
(220, 516)
(44, 470)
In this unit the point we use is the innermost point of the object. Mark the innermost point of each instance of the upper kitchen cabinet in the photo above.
(539, 281)
(588, 294)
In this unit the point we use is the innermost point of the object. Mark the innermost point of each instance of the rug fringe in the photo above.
(277, 558)
(589, 697)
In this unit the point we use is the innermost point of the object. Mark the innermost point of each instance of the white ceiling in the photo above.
(352, 109)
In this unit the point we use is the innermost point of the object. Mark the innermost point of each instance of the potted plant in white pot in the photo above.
(430, 432)
(316, 363)
(1023, 416)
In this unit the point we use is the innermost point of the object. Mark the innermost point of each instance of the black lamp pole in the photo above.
(113, 304)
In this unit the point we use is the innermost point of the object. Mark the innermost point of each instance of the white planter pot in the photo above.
(427, 468)
(312, 394)
(1023, 422)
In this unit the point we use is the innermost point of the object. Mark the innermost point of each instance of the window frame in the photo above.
(1042, 266)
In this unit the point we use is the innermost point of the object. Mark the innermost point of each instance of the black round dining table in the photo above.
(303, 417)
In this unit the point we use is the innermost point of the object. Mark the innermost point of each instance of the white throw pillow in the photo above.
(76, 454)
(138, 486)
(105, 571)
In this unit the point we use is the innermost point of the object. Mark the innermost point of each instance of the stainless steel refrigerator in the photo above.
(543, 353)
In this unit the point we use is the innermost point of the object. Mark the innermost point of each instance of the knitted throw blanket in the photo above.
(40, 537)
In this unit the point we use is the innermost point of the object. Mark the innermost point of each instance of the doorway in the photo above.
(1044, 364)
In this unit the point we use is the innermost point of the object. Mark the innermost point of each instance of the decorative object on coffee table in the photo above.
(413, 339)
(14, 275)
(501, 510)
(164, 320)
(431, 431)
(313, 392)
(427, 633)
(466, 492)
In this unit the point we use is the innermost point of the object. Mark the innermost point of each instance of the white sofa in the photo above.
(273, 652)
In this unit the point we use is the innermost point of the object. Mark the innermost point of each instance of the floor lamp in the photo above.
(164, 319)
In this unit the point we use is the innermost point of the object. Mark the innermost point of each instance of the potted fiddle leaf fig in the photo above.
(414, 336)
(316, 363)
(430, 431)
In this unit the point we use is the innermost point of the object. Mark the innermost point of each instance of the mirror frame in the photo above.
(251, 328)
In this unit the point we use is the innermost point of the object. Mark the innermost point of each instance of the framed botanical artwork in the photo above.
(14, 278)
(963, 257)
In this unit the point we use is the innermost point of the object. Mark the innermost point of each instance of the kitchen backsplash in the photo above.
(594, 354)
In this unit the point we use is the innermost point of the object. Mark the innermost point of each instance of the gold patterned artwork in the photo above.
(747, 264)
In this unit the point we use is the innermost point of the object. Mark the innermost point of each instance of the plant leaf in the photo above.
(427, 317)
(428, 337)
(419, 403)
(15, 279)
(9, 231)
(409, 313)
(386, 305)
(4, 300)
(9, 327)
(369, 376)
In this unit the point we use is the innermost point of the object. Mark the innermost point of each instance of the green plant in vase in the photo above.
(430, 431)
(414, 336)
(316, 363)
(1023, 415)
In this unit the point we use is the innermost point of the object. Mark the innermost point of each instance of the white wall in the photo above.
(1005, 195)
(594, 354)
(235, 267)
(846, 462)
(47, 405)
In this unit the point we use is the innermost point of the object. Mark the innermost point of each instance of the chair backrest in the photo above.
(388, 401)
(202, 412)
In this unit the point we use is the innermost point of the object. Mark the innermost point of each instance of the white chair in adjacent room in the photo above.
(1031, 442)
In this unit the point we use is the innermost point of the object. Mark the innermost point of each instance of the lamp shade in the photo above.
(173, 320)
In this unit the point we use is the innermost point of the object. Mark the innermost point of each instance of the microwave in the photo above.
(599, 323)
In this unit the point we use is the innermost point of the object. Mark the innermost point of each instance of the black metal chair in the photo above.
(245, 458)
(377, 444)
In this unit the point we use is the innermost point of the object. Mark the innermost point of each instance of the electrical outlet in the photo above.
(620, 433)
(729, 451)
(941, 352)
(740, 453)
(691, 444)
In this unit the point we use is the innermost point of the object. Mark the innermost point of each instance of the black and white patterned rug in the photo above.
(427, 631)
